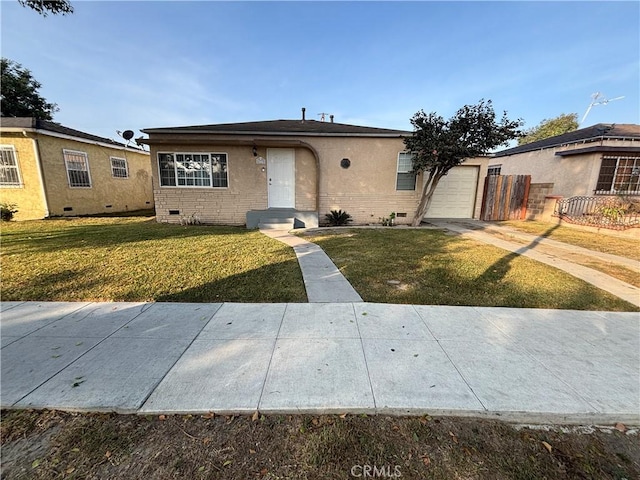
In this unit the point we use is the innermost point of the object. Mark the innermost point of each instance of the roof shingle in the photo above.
(593, 133)
(31, 122)
(282, 127)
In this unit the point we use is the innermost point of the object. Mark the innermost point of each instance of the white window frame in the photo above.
(78, 153)
(115, 168)
(208, 154)
(398, 171)
(15, 166)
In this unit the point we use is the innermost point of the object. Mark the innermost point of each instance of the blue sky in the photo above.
(129, 65)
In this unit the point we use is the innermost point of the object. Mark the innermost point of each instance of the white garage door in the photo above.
(455, 195)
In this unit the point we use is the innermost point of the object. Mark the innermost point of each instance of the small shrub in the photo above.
(337, 218)
(194, 219)
(7, 211)
(388, 221)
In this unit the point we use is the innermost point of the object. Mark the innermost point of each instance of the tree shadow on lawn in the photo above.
(277, 282)
(52, 287)
(90, 236)
(274, 283)
(432, 279)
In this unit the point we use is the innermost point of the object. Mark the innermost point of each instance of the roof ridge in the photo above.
(281, 126)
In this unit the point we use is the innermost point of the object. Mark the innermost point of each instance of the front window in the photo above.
(9, 171)
(77, 164)
(405, 178)
(619, 174)
(119, 167)
(193, 170)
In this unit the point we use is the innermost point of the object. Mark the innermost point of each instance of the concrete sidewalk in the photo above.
(524, 365)
(323, 281)
(474, 229)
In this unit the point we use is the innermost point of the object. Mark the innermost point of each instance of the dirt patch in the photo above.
(52, 445)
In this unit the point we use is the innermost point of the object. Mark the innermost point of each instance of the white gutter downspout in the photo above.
(43, 191)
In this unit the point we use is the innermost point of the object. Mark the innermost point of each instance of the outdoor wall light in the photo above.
(255, 151)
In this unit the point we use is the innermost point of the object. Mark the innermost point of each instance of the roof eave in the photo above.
(533, 148)
(597, 149)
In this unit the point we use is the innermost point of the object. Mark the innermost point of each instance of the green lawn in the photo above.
(137, 259)
(435, 268)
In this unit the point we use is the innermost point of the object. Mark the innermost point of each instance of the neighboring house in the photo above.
(598, 160)
(50, 170)
(249, 173)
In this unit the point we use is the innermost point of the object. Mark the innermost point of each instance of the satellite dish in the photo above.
(127, 134)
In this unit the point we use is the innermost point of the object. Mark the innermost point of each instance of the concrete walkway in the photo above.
(525, 365)
(322, 279)
(486, 233)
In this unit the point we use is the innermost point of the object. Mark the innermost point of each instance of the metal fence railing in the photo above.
(617, 213)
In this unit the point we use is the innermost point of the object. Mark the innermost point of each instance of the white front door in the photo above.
(281, 177)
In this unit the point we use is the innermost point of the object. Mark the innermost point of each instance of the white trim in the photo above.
(71, 137)
(12, 148)
(43, 190)
(209, 153)
(66, 165)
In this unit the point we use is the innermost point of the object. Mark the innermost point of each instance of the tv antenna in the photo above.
(322, 116)
(598, 99)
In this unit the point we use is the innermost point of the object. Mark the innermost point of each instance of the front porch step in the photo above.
(276, 223)
(284, 218)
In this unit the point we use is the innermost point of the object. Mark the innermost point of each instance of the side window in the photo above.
(405, 178)
(119, 167)
(494, 169)
(77, 164)
(9, 171)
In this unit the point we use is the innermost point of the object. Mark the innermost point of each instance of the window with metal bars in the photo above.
(119, 167)
(193, 170)
(77, 164)
(619, 174)
(9, 171)
(405, 177)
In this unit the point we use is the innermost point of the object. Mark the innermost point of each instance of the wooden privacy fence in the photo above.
(505, 197)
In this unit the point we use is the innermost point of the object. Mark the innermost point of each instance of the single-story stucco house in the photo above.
(603, 159)
(50, 170)
(253, 172)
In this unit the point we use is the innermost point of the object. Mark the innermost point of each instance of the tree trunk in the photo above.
(427, 194)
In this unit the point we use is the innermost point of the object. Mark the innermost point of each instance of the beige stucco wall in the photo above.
(571, 176)
(366, 190)
(107, 193)
(28, 197)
